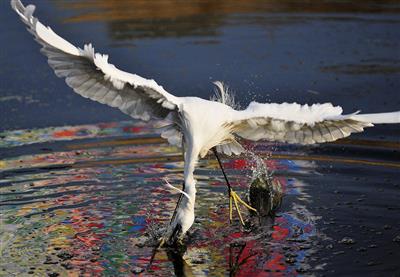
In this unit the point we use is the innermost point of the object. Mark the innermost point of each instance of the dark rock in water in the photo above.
(265, 195)
(396, 239)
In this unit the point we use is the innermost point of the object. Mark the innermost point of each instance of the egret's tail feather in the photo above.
(379, 118)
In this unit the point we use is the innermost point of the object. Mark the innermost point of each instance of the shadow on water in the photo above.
(88, 200)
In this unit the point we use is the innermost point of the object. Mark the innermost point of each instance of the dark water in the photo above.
(82, 199)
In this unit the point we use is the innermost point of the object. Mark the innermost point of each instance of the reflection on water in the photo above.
(63, 212)
(136, 19)
(88, 199)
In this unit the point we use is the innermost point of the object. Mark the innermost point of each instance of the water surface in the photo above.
(81, 185)
(85, 200)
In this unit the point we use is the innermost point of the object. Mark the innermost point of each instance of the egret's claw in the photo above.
(236, 200)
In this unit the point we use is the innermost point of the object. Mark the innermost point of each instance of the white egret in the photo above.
(197, 124)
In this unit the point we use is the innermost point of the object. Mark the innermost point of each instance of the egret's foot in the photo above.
(236, 200)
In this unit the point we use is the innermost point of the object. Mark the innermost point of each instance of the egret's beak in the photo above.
(175, 243)
(176, 235)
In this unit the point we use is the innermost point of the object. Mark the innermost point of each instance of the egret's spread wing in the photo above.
(90, 75)
(296, 123)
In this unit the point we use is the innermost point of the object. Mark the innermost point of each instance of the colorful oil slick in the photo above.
(86, 201)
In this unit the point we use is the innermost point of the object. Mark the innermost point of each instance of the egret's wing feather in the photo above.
(380, 118)
(90, 75)
(296, 123)
(172, 134)
(231, 148)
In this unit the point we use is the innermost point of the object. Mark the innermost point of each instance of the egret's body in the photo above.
(197, 124)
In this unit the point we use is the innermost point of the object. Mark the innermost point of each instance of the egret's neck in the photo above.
(191, 157)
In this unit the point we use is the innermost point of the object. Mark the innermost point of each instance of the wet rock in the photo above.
(347, 241)
(53, 274)
(372, 246)
(265, 195)
(329, 246)
(361, 249)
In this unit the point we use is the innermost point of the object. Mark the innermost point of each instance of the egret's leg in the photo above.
(183, 186)
(233, 196)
